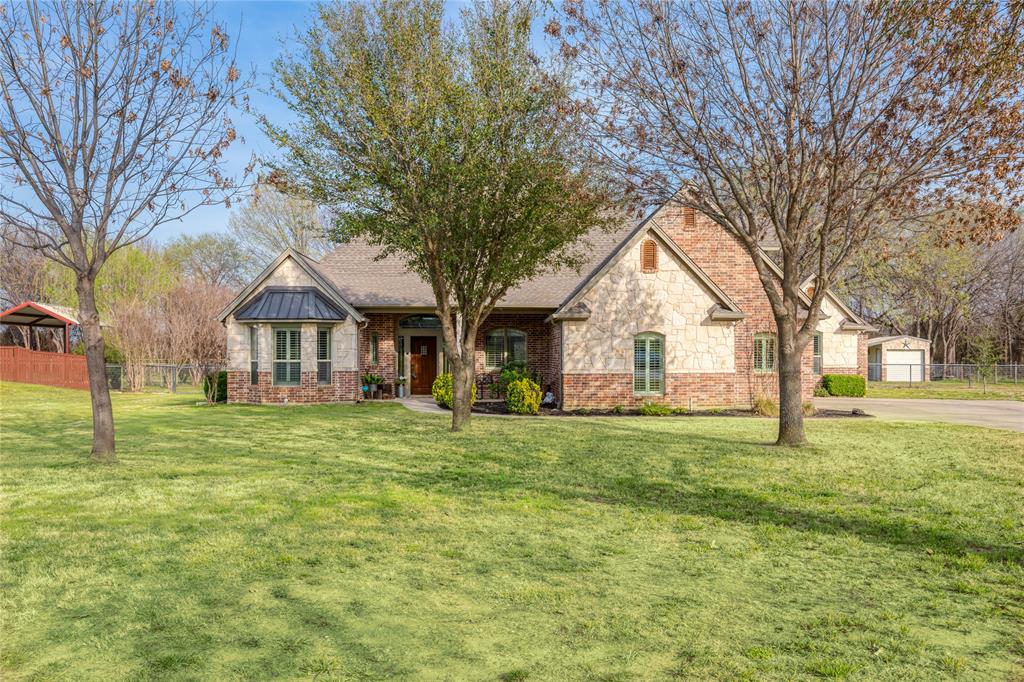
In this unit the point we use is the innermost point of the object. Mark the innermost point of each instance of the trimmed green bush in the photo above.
(222, 387)
(523, 397)
(652, 409)
(820, 392)
(852, 385)
(444, 392)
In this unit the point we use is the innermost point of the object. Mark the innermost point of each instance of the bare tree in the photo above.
(270, 222)
(193, 334)
(113, 121)
(809, 124)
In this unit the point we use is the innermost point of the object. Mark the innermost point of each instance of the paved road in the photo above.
(999, 414)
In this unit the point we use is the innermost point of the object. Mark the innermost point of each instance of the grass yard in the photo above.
(948, 389)
(363, 542)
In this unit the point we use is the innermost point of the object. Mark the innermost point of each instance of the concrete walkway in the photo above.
(997, 414)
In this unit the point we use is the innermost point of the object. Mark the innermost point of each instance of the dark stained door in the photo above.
(422, 364)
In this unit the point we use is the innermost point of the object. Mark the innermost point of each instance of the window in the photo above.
(649, 256)
(287, 356)
(254, 355)
(504, 346)
(374, 349)
(817, 353)
(323, 355)
(648, 364)
(764, 352)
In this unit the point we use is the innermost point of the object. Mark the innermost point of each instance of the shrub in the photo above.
(514, 371)
(680, 410)
(765, 406)
(820, 392)
(808, 409)
(844, 384)
(619, 409)
(652, 409)
(583, 411)
(221, 395)
(444, 392)
(523, 397)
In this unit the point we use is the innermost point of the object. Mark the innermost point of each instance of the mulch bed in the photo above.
(497, 407)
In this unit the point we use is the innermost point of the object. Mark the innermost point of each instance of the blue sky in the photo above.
(262, 31)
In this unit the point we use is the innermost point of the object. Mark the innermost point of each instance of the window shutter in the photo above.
(494, 349)
(689, 218)
(655, 365)
(649, 256)
(640, 364)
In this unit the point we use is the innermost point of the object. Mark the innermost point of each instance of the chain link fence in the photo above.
(913, 373)
(156, 377)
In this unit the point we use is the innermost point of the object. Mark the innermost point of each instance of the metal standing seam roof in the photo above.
(291, 303)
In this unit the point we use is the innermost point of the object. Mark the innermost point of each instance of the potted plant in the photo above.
(400, 383)
(370, 382)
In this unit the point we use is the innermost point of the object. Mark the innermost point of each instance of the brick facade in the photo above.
(719, 254)
(344, 387)
(385, 326)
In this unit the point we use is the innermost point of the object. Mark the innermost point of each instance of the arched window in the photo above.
(649, 256)
(648, 364)
(503, 346)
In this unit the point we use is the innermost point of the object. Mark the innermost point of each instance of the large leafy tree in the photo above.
(114, 119)
(809, 124)
(449, 146)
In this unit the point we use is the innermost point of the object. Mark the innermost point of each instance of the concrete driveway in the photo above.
(997, 414)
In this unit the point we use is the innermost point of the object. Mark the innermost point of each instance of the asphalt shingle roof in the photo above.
(365, 281)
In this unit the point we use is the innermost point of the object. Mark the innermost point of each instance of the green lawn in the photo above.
(363, 542)
(948, 389)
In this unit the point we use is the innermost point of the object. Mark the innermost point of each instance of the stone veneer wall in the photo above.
(727, 263)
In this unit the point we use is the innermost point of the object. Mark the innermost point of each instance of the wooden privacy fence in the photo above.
(36, 367)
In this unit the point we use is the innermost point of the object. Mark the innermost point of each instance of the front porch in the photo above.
(410, 348)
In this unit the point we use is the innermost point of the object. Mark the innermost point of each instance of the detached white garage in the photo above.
(898, 358)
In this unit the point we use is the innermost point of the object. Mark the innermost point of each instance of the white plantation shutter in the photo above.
(323, 355)
(764, 353)
(648, 364)
(817, 354)
(287, 356)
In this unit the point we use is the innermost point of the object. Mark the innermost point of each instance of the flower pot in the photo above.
(373, 390)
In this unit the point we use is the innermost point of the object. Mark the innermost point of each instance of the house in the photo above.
(899, 358)
(669, 309)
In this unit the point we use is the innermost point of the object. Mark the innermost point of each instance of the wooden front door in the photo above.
(422, 364)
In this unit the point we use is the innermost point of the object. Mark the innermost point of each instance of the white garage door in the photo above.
(904, 365)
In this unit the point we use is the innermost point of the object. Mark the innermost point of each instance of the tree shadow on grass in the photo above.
(635, 489)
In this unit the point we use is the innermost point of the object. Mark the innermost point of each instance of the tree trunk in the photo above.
(102, 412)
(791, 414)
(462, 385)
